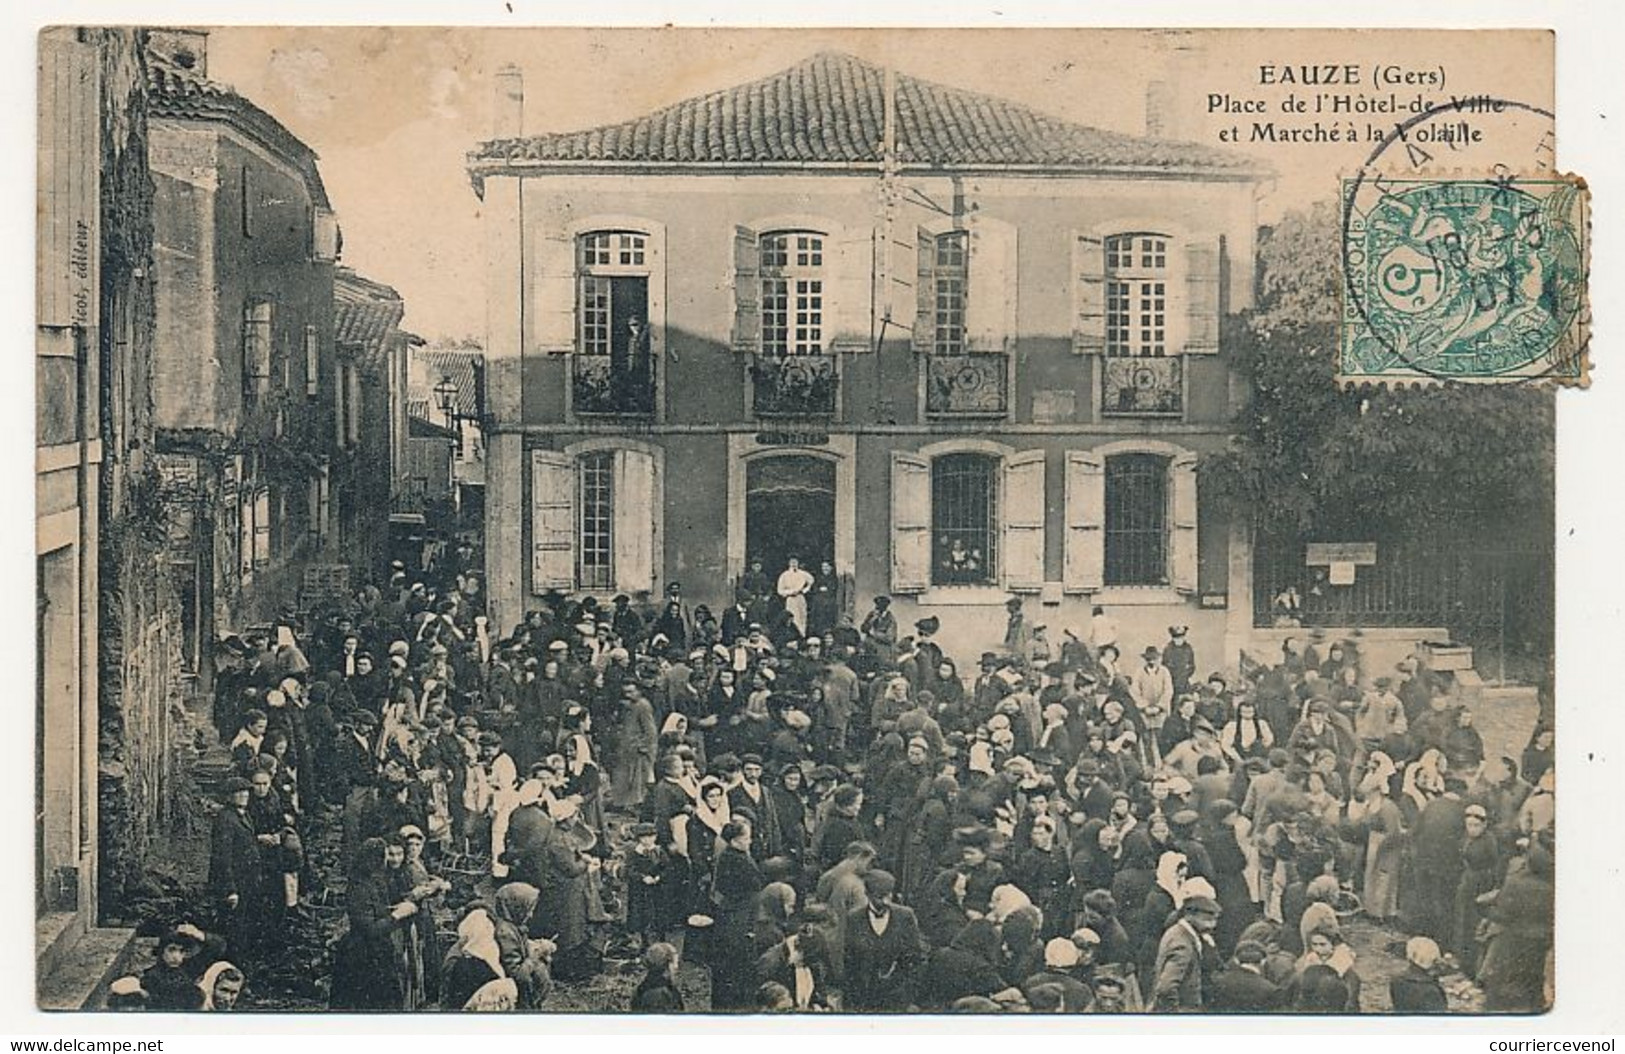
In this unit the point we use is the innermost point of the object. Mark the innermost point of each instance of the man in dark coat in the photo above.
(1417, 991)
(1177, 981)
(883, 948)
(1242, 988)
(235, 875)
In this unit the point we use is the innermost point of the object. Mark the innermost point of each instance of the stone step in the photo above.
(79, 978)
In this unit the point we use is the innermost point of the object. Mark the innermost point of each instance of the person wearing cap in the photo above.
(883, 948)
(1151, 688)
(236, 878)
(1177, 978)
(1242, 987)
(1180, 658)
(1417, 990)
(1187, 756)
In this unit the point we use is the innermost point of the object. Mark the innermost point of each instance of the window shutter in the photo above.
(262, 528)
(1202, 298)
(556, 293)
(925, 294)
(1085, 559)
(552, 521)
(747, 281)
(1023, 528)
(1182, 537)
(849, 291)
(313, 361)
(1088, 295)
(910, 523)
(245, 535)
(324, 235)
(635, 515)
(991, 305)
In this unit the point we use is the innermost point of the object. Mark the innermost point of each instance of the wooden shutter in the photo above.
(556, 292)
(747, 284)
(849, 292)
(1088, 294)
(552, 521)
(1085, 557)
(313, 361)
(925, 293)
(1182, 531)
(1202, 298)
(991, 295)
(68, 246)
(245, 534)
(910, 523)
(1023, 527)
(636, 513)
(262, 528)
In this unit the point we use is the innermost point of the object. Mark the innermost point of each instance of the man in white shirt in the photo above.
(794, 585)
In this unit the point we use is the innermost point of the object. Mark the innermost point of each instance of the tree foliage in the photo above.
(1311, 458)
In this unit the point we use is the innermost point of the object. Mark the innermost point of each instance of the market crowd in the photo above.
(830, 813)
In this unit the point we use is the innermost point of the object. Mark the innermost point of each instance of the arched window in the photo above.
(792, 273)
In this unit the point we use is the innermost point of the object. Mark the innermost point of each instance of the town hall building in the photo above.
(956, 347)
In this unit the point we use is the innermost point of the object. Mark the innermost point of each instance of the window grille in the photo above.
(964, 519)
(1137, 520)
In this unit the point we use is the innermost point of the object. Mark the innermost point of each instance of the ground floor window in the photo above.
(1136, 520)
(596, 546)
(964, 519)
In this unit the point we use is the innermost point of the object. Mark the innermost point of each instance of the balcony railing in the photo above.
(598, 387)
(794, 385)
(975, 384)
(1143, 387)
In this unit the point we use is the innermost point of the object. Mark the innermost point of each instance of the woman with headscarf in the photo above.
(366, 969)
(564, 909)
(522, 958)
(222, 985)
(1320, 909)
(775, 916)
(1374, 814)
(1164, 899)
(1324, 946)
(711, 815)
(473, 963)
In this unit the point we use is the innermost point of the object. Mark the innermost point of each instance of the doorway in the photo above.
(789, 511)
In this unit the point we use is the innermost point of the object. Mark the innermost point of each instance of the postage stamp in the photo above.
(1467, 279)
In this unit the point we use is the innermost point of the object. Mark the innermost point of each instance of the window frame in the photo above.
(1139, 298)
(1115, 467)
(950, 337)
(992, 464)
(600, 464)
(795, 278)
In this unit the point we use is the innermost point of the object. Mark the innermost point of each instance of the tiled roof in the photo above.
(181, 93)
(461, 368)
(365, 313)
(830, 109)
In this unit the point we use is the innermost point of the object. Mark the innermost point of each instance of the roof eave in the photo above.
(480, 169)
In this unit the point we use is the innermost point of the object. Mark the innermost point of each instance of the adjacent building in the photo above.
(956, 347)
(108, 705)
(251, 402)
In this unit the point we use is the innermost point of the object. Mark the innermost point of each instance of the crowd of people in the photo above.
(827, 813)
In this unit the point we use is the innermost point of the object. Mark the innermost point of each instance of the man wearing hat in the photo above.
(1180, 659)
(1152, 689)
(1176, 980)
(928, 654)
(883, 948)
(879, 629)
(989, 688)
(235, 875)
(751, 796)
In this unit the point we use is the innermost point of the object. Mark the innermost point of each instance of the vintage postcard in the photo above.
(742, 521)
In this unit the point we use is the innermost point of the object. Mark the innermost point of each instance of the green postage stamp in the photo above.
(1479, 280)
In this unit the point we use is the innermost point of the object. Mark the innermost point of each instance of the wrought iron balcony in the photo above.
(602, 385)
(794, 385)
(974, 384)
(1142, 387)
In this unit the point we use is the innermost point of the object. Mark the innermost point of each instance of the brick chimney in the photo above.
(508, 103)
(187, 49)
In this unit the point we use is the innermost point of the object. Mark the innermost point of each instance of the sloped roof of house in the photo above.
(366, 314)
(188, 95)
(461, 368)
(829, 109)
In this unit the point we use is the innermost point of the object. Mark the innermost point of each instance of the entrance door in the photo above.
(789, 511)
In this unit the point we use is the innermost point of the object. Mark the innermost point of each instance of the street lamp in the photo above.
(445, 394)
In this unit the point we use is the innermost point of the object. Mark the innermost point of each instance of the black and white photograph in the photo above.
(787, 521)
